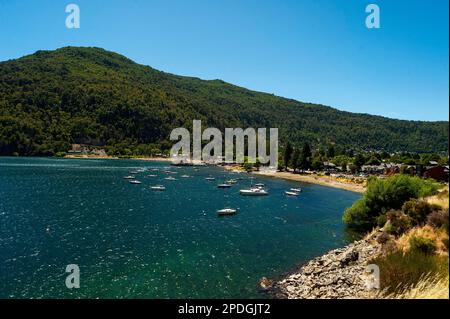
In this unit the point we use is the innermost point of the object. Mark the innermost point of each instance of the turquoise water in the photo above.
(132, 242)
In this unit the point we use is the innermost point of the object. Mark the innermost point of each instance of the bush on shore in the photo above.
(383, 195)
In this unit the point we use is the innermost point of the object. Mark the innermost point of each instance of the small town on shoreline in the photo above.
(329, 166)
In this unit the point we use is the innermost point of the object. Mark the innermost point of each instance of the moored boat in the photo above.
(158, 188)
(226, 211)
(135, 181)
(253, 192)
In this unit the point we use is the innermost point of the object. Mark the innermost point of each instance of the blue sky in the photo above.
(311, 50)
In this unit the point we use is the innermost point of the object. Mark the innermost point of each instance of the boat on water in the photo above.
(136, 182)
(185, 176)
(297, 190)
(134, 172)
(225, 185)
(170, 178)
(231, 181)
(255, 191)
(292, 193)
(158, 188)
(226, 211)
(210, 178)
(129, 177)
(151, 175)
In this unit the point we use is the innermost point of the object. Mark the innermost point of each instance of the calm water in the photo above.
(132, 242)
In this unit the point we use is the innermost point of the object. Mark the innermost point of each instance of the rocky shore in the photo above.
(340, 273)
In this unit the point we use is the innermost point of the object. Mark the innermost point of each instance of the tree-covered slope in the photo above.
(88, 95)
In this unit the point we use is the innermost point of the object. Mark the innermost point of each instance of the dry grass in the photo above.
(440, 199)
(428, 287)
(437, 235)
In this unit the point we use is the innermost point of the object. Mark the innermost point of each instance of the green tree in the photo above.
(287, 154)
(305, 157)
(296, 159)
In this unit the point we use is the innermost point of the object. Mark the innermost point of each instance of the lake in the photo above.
(133, 242)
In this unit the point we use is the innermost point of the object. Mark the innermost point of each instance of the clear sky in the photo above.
(311, 50)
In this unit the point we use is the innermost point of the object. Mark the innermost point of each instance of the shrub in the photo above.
(398, 271)
(439, 219)
(383, 238)
(422, 245)
(397, 223)
(418, 210)
(383, 195)
(60, 154)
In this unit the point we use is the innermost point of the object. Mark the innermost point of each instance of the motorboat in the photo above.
(129, 177)
(136, 182)
(297, 190)
(231, 181)
(226, 211)
(170, 178)
(210, 178)
(152, 175)
(292, 193)
(158, 188)
(185, 176)
(253, 192)
(225, 185)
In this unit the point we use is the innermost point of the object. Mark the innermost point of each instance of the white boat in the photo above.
(226, 211)
(170, 178)
(292, 193)
(134, 172)
(210, 178)
(185, 176)
(136, 182)
(259, 185)
(231, 181)
(297, 190)
(129, 177)
(253, 192)
(224, 185)
(151, 175)
(158, 188)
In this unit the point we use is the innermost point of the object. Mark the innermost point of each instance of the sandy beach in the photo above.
(316, 179)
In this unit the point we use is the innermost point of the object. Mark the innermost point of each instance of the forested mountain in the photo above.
(51, 99)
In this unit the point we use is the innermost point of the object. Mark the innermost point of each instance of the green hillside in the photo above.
(51, 99)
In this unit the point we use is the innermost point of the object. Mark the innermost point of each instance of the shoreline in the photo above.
(328, 181)
(315, 179)
(341, 273)
(153, 159)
